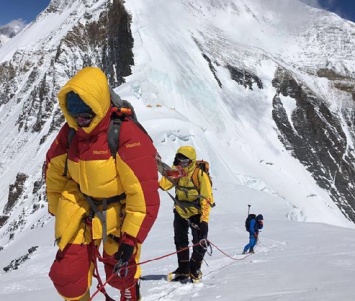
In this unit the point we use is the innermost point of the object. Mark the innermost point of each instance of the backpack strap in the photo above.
(194, 177)
(196, 182)
(70, 139)
(113, 134)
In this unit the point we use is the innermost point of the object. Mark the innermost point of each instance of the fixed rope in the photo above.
(225, 254)
(101, 287)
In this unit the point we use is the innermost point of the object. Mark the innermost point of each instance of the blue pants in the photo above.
(251, 244)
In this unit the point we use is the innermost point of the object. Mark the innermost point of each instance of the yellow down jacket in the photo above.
(192, 200)
(92, 171)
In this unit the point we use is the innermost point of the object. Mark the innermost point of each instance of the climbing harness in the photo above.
(101, 214)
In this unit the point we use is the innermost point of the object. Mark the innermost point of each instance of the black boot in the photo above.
(195, 270)
(182, 273)
(183, 261)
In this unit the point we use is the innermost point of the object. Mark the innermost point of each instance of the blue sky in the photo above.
(29, 9)
(20, 9)
(344, 8)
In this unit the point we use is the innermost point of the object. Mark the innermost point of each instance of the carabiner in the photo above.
(121, 269)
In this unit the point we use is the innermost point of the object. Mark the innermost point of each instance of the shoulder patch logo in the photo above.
(102, 152)
(129, 145)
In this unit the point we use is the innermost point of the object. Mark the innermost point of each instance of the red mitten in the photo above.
(176, 173)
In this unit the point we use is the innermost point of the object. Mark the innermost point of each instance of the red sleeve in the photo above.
(59, 145)
(138, 152)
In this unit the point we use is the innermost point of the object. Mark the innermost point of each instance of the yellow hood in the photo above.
(187, 151)
(91, 85)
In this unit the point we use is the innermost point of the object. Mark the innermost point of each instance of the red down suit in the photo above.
(92, 171)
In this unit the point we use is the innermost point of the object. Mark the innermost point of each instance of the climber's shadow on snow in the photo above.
(153, 277)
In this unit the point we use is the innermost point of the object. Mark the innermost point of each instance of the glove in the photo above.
(256, 235)
(124, 253)
(203, 230)
(176, 173)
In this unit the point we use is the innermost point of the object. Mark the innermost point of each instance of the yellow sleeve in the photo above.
(55, 182)
(54, 169)
(207, 200)
(165, 184)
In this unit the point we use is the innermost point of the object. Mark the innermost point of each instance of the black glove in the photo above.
(203, 230)
(124, 252)
(123, 255)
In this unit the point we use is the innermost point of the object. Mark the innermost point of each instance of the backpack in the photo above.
(122, 109)
(203, 167)
(247, 221)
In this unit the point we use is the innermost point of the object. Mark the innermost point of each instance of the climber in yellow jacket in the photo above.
(192, 209)
(95, 197)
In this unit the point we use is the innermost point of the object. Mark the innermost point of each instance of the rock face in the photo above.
(316, 137)
(15, 192)
(100, 37)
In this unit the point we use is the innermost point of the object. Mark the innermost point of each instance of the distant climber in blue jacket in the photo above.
(253, 225)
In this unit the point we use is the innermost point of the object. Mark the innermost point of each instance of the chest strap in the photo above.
(199, 196)
(184, 205)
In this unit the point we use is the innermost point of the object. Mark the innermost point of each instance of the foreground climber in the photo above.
(98, 197)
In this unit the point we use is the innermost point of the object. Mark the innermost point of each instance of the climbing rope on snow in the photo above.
(101, 287)
(229, 256)
(207, 244)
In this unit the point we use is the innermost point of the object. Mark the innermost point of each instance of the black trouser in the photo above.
(181, 240)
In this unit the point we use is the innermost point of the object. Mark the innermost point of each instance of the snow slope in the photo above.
(306, 250)
(293, 260)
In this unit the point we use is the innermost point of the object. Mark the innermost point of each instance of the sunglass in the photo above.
(83, 115)
(84, 119)
(182, 160)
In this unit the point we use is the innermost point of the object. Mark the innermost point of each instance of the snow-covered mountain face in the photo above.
(9, 30)
(33, 66)
(263, 89)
